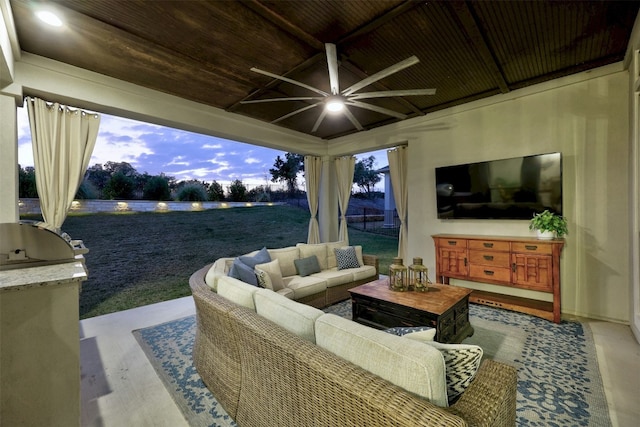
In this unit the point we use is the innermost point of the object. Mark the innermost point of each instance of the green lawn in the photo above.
(142, 258)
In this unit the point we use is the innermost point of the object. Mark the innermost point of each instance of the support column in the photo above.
(9, 158)
(328, 202)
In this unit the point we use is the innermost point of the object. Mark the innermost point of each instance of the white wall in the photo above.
(587, 122)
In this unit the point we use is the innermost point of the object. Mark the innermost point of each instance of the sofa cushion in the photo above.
(317, 249)
(462, 362)
(236, 291)
(241, 271)
(297, 318)
(219, 268)
(305, 286)
(273, 271)
(307, 266)
(414, 366)
(346, 258)
(286, 256)
(335, 277)
(259, 257)
(331, 255)
(364, 272)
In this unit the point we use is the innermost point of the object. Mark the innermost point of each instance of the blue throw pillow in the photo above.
(307, 266)
(346, 258)
(242, 271)
(261, 257)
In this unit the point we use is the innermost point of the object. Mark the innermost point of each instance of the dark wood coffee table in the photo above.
(443, 307)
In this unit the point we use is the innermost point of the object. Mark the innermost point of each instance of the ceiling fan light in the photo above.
(335, 105)
(49, 17)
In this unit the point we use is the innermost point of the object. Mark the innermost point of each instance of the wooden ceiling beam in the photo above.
(469, 24)
(284, 24)
(380, 20)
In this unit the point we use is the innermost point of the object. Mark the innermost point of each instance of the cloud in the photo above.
(183, 155)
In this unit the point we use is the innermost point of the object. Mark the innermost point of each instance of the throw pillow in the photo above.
(417, 333)
(275, 276)
(243, 272)
(346, 258)
(307, 266)
(260, 257)
(264, 281)
(462, 362)
(358, 249)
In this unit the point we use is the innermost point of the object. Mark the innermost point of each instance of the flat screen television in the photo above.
(513, 188)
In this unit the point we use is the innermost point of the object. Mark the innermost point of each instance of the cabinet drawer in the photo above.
(490, 274)
(494, 245)
(533, 247)
(496, 259)
(452, 243)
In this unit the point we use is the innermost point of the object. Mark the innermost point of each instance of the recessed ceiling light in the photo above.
(49, 18)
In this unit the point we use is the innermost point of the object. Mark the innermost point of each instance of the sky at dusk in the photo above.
(184, 155)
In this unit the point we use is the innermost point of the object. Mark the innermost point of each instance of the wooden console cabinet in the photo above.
(517, 262)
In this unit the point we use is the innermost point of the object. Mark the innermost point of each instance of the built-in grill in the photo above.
(29, 244)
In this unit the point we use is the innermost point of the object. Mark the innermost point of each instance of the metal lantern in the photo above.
(398, 280)
(418, 276)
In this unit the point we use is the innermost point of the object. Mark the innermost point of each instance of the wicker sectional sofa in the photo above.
(271, 361)
(320, 289)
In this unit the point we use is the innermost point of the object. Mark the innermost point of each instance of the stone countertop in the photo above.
(48, 275)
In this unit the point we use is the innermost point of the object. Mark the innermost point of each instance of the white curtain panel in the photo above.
(313, 173)
(398, 170)
(344, 170)
(63, 140)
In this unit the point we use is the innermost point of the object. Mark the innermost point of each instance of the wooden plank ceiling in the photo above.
(203, 50)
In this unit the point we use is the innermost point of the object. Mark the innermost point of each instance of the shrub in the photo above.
(237, 191)
(156, 188)
(216, 192)
(192, 193)
(119, 186)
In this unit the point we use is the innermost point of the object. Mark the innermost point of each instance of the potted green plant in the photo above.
(550, 224)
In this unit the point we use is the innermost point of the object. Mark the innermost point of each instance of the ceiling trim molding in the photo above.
(56, 81)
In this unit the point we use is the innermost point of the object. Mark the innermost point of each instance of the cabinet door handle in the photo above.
(513, 267)
(488, 245)
(465, 261)
(531, 247)
(452, 242)
(488, 272)
(488, 257)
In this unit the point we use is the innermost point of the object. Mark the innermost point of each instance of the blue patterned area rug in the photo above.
(559, 380)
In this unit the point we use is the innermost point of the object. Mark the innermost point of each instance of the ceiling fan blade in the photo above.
(320, 119)
(293, 113)
(300, 98)
(388, 93)
(285, 79)
(332, 63)
(377, 109)
(352, 119)
(381, 74)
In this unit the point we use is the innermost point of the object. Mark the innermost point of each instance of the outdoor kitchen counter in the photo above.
(47, 275)
(40, 345)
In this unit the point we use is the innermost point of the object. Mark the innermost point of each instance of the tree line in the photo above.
(121, 181)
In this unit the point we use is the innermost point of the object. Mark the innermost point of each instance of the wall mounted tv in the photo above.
(513, 188)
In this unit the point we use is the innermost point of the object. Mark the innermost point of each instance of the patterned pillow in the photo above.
(462, 362)
(417, 333)
(264, 281)
(346, 258)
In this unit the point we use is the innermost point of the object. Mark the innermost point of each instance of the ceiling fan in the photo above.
(339, 101)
